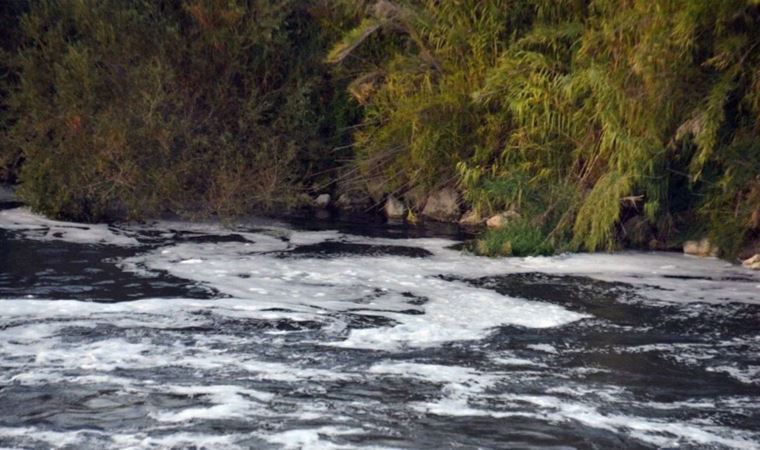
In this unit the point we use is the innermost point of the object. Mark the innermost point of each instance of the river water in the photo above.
(269, 335)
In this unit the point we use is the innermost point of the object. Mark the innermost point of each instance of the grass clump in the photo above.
(517, 238)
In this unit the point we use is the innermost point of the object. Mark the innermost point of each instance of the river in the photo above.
(298, 335)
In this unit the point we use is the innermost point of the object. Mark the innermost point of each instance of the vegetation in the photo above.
(518, 238)
(584, 115)
(128, 109)
(580, 114)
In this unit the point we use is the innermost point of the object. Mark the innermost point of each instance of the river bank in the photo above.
(447, 219)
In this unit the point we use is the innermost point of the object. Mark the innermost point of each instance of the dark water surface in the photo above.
(337, 335)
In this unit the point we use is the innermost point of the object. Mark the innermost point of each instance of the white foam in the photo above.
(460, 386)
(262, 285)
(661, 276)
(313, 438)
(646, 270)
(37, 227)
(59, 439)
(747, 375)
(138, 441)
(40, 354)
(228, 402)
(709, 356)
(89, 438)
(454, 311)
(546, 348)
(663, 433)
(556, 409)
(464, 388)
(434, 373)
(509, 360)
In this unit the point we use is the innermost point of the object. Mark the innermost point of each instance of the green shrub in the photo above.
(517, 238)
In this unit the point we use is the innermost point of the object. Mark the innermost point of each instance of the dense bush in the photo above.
(132, 108)
(577, 113)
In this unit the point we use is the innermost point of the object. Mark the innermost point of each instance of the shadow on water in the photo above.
(337, 249)
(375, 225)
(62, 270)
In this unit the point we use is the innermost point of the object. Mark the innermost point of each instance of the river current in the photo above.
(274, 335)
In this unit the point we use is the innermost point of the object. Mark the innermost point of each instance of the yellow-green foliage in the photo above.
(578, 113)
(132, 108)
(427, 56)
